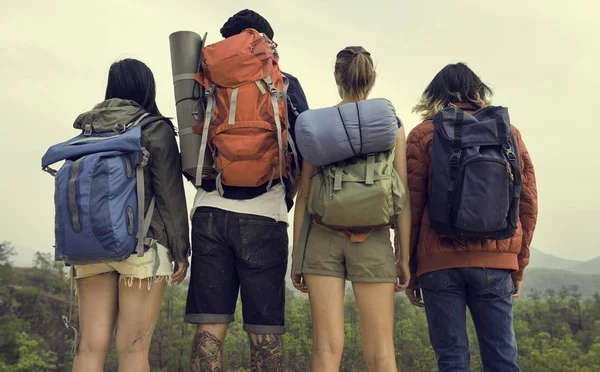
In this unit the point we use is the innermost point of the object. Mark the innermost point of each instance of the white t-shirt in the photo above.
(270, 204)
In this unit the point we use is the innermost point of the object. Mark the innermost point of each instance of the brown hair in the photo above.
(453, 84)
(355, 72)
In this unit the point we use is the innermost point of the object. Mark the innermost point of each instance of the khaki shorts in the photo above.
(156, 263)
(329, 253)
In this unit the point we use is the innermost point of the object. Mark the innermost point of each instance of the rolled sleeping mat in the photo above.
(332, 134)
(186, 49)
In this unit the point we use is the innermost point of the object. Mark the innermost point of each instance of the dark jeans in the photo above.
(488, 295)
(233, 251)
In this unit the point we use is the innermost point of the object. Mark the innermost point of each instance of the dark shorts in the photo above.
(233, 251)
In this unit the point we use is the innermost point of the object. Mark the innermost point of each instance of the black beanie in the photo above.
(246, 19)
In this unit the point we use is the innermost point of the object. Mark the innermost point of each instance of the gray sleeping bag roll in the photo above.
(332, 134)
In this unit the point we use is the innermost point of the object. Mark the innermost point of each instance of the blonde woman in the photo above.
(362, 255)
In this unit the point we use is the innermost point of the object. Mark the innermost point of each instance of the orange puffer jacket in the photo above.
(430, 252)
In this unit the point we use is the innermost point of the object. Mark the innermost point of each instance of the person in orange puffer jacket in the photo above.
(451, 274)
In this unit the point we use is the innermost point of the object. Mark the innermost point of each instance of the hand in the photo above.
(180, 271)
(414, 295)
(517, 284)
(298, 281)
(403, 276)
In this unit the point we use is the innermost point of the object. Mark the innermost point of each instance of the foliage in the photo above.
(33, 355)
(541, 279)
(557, 330)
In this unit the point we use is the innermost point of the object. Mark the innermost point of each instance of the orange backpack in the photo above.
(246, 124)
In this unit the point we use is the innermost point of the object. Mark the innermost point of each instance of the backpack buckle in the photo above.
(87, 130)
(455, 158)
(120, 128)
(50, 171)
(510, 153)
(145, 157)
(275, 92)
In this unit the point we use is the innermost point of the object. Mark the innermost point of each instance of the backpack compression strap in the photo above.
(511, 153)
(143, 221)
(275, 93)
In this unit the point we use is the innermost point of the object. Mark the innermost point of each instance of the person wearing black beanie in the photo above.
(251, 258)
(246, 19)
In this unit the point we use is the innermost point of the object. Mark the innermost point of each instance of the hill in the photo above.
(543, 279)
(540, 259)
(588, 267)
(549, 261)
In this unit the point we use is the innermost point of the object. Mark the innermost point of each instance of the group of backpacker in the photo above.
(459, 194)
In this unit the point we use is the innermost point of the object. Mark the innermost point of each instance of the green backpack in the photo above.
(363, 191)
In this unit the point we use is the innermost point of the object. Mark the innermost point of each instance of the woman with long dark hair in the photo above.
(126, 296)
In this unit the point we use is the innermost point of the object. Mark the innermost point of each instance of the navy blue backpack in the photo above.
(99, 195)
(476, 174)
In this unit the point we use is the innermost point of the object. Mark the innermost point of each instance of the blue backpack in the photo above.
(99, 194)
(476, 174)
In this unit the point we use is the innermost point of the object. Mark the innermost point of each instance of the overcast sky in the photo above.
(542, 59)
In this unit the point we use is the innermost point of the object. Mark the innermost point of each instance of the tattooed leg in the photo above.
(207, 353)
(266, 353)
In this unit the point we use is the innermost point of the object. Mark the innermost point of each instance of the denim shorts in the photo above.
(233, 253)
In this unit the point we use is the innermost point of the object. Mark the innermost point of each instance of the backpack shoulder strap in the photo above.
(148, 118)
(143, 120)
(143, 220)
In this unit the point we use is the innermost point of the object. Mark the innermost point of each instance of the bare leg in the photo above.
(375, 303)
(266, 352)
(207, 349)
(326, 295)
(97, 315)
(138, 313)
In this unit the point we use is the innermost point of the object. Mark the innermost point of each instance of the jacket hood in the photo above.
(106, 115)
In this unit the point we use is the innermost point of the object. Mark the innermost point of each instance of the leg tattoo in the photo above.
(207, 353)
(267, 353)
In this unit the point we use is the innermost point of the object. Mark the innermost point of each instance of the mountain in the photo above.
(588, 267)
(545, 260)
(539, 259)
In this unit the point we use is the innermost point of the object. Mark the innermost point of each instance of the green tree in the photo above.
(7, 251)
(33, 356)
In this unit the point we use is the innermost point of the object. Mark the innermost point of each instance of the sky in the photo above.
(542, 59)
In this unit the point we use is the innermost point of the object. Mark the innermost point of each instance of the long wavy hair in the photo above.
(453, 84)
